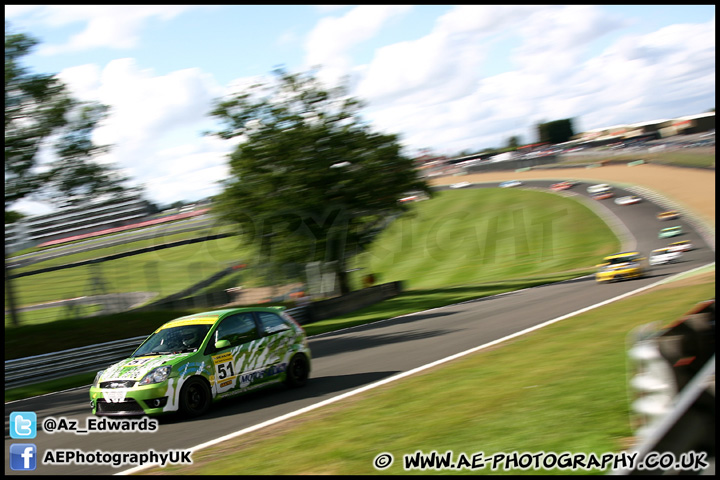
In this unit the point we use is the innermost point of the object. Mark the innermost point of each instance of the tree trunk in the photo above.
(342, 277)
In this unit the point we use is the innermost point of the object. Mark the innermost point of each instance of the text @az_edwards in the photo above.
(94, 424)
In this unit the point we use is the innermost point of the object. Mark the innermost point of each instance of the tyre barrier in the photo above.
(673, 389)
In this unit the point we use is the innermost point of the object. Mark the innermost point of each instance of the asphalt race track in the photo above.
(351, 358)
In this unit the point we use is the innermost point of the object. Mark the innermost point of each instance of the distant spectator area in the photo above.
(83, 221)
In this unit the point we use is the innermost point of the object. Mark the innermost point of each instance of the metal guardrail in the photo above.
(50, 366)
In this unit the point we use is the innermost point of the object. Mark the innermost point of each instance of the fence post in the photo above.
(9, 294)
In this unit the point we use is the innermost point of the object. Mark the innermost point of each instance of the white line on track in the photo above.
(385, 381)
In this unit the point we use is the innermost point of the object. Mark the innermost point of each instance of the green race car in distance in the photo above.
(192, 361)
(670, 232)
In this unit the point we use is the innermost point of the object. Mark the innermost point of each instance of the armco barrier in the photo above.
(51, 366)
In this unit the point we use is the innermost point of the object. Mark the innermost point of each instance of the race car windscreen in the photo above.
(183, 338)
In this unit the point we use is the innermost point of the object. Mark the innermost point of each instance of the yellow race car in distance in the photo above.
(621, 266)
(669, 215)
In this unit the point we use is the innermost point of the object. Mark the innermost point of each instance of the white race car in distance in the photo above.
(681, 246)
(600, 188)
(660, 256)
(628, 200)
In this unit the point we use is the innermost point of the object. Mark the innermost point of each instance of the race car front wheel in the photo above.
(195, 397)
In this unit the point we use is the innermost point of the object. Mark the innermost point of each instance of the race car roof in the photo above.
(623, 254)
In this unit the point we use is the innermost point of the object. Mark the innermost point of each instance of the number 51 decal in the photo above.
(225, 370)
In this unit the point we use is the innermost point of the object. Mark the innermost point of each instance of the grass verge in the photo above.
(682, 158)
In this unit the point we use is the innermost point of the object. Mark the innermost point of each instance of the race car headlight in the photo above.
(96, 382)
(156, 375)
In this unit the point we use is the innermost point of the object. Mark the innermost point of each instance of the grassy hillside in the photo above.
(475, 236)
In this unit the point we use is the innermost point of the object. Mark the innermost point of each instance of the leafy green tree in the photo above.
(513, 142)
(309, 180)
(40, 113)
(12, 216)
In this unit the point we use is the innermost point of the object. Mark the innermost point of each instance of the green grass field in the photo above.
(466, 237)
(163, 272)
(699, 158)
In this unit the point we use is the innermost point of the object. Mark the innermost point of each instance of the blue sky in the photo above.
(448, 78)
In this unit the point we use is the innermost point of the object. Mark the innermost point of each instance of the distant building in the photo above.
(503, 157)
(650, 130)
(690, 124)
(87, 218)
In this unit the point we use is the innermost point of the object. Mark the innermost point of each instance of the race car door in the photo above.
(278, 337)
(235, 365)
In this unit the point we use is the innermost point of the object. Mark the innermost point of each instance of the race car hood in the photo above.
(135, 368)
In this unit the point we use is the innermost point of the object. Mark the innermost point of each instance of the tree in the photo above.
(310, 181)
(12, 216)
(40, 113)
(513, 142)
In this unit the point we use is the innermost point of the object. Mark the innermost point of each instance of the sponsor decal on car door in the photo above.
(280, 337)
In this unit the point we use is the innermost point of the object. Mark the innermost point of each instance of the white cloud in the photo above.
(671, 70)
(32, 207)
(148, 111)
(113, 26)
(330, 42)
(84, 81)
(17, 10)
(435, 92)
(483, 73)
(190, 171)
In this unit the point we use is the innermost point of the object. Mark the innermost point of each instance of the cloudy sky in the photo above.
(445, 78)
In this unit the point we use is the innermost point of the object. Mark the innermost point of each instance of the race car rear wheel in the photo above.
(298, 371)
(195, 397)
